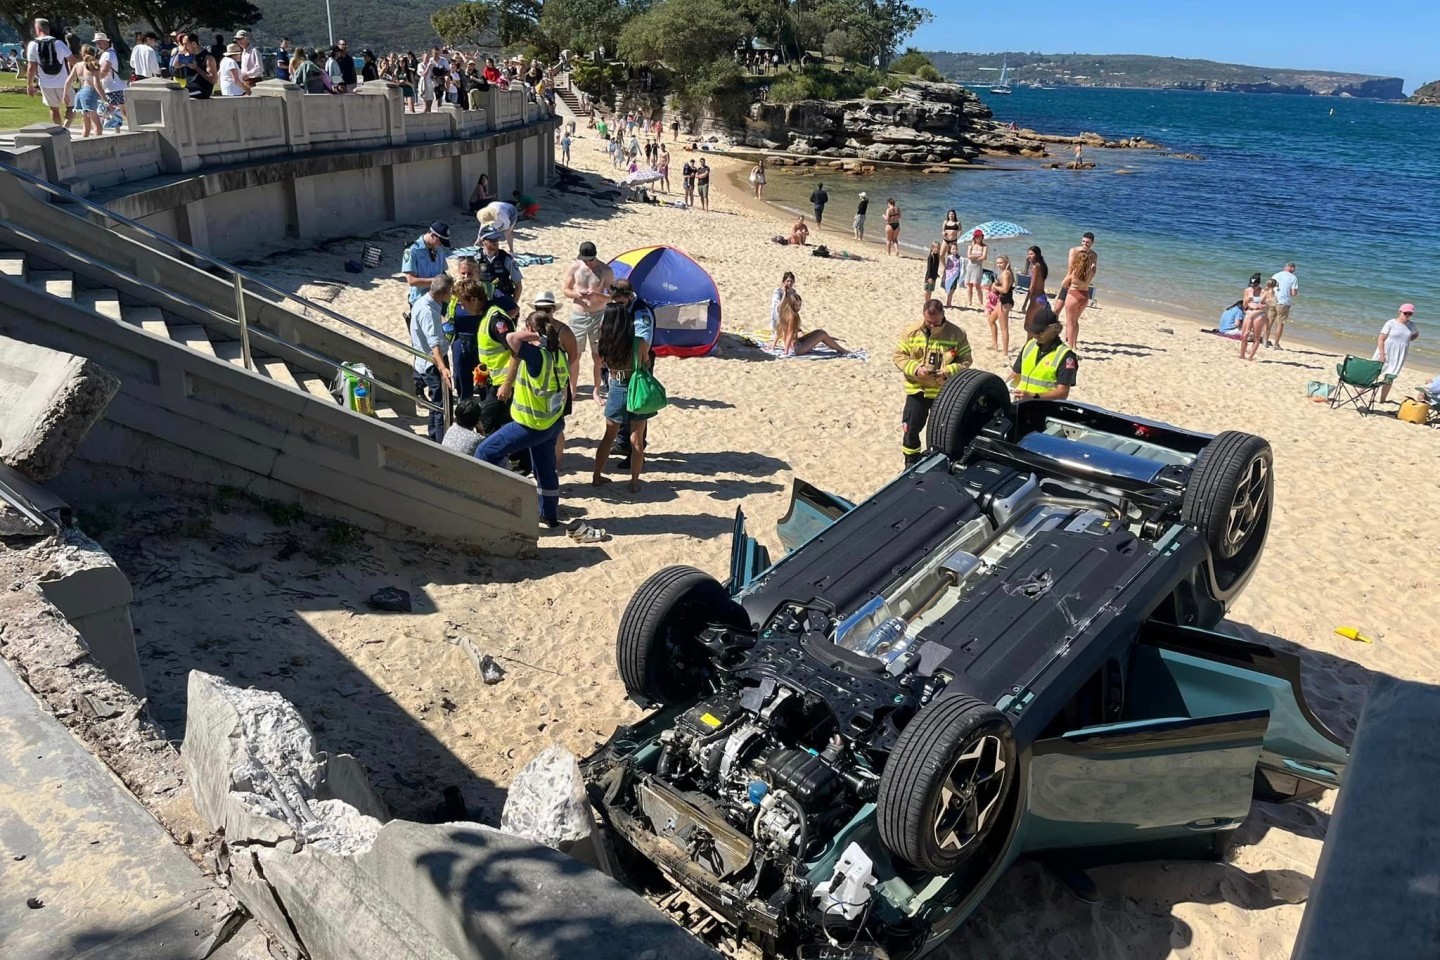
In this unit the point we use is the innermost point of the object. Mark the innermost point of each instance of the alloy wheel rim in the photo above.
(970, 794)
(1248, 506)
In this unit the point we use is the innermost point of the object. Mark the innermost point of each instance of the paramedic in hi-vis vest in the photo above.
(929, 353)
(1045, 369)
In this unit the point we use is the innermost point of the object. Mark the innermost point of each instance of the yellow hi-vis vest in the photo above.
(1037, 373)
(495, 354)
(540, 400)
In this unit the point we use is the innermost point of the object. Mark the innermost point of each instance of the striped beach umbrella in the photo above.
(1000, 230)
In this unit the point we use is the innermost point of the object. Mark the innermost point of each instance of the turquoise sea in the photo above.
(1352, 197)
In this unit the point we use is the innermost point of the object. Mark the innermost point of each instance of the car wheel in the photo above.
(945, 786)
(657, 649)
(964, 407)
(1229, 500)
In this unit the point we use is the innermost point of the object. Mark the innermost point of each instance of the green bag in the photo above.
(645, 394)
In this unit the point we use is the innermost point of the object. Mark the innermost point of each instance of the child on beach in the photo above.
(932, 271)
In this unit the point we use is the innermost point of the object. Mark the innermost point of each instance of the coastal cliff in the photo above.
(1426, 96)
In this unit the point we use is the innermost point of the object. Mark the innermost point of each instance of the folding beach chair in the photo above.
(1360, 380)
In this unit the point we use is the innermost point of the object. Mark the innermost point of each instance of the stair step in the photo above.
(12, 265)
(150, 319)
(277, 370)
(104, 302)
(60, 284)
(193, 336)
(416, 425)
(310, 383)
(230, 350)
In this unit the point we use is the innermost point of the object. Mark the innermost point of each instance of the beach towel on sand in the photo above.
(532, 259)
(760, 340)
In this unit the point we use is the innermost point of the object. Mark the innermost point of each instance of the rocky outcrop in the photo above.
(1377, 88)
(1426, 96)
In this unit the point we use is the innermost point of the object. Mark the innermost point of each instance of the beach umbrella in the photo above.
(1000, 230)
(641, 177)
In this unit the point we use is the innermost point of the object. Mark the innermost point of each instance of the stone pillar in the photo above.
(300, 195)
(395, 107)
(54, 144)
(159, 105)
(522, 147)
(297, 133)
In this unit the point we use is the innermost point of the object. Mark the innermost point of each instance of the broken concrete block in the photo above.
(255, 774)
(250, 888)
(547, 803)
(490, 671)
(49, 400)
(84, 583)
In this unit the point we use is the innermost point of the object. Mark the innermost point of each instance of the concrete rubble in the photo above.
(310, 851)
(48, 402)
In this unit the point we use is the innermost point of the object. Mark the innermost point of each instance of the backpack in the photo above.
(45, 54)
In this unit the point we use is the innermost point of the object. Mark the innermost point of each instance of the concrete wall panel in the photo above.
(240, 221)
(342, 203)
(506, 179)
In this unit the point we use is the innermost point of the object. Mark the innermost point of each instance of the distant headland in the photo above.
(1426, 96)
(1158, 73)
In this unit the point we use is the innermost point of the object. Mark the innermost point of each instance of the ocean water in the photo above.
(1352, 198)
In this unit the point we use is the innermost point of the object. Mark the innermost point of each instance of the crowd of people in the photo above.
(514, 374)
(89, 80)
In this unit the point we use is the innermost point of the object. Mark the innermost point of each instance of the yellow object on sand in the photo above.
(1350, 633)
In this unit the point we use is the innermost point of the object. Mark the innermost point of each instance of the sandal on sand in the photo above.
(582, 532)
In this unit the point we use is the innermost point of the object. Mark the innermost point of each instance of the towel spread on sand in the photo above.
(533, 259)
(819, 353)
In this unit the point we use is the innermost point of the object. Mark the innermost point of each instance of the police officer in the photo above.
(502, 264)
(1046, 367)
(424, 260)
(929, 353)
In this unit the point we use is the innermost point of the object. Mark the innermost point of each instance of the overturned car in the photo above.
(1006, 651)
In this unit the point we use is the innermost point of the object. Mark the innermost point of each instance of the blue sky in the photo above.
(1393, 38)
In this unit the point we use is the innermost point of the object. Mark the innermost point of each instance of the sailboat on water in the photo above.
(1003, 87)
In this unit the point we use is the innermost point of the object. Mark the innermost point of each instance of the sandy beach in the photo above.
(400, 693)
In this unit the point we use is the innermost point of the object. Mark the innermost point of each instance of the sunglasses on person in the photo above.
(625, 293)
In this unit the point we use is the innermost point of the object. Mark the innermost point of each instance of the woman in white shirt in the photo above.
(232, 82)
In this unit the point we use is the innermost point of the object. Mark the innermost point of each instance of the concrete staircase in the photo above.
(295, 373)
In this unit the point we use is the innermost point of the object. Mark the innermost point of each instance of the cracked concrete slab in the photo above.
(49, 400)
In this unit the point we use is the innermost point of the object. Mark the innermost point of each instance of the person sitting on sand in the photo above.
(788, 332)
(799, 233)
(481, 195)
(621, 350)
(787, 287)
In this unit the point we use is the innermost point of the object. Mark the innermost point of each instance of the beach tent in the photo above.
(683, 296)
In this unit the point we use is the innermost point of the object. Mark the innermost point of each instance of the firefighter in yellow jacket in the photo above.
(929, 353)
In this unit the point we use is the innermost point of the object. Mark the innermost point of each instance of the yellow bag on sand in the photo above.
(1413, 411)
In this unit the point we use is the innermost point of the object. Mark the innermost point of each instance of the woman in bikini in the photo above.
(788, 332)
(892, 227)
(1035, 297)
(1078, 280)
(757, 179)
(1256, 301)
(999, 316)
(950, 232)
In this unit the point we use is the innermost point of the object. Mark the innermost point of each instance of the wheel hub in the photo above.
(971, 794)
(1248, 505)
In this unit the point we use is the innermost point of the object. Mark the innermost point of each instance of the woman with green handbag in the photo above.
(635, 395)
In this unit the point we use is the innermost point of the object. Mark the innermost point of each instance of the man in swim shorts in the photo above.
(587, 286)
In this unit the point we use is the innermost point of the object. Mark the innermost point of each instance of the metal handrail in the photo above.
(239, 278)
(245, 334)
(250, 279)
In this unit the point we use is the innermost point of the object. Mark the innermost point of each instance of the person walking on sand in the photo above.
(1077, 281)
(818, 199)
(861, 209)
(892, 227)
(975, 255)
(1287, 289)
(587, 286)
(702, 184)
(757, 179)
(932, 271)
(999, 316)
(1393, 344)
(928, 354)
(1035, 295)
(622, 351)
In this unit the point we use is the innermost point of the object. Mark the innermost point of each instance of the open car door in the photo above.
(812, 510)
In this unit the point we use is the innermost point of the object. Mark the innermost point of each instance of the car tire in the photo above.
(965, 407)
(657, 650)
(1229, 501)
(954, 742)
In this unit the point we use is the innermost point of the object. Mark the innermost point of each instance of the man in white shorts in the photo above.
(48, 61)
(587, 287)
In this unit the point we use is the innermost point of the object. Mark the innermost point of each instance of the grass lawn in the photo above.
(18, 110)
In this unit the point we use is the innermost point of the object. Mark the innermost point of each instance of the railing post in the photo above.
(240, 318)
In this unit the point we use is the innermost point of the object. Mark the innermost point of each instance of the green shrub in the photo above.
(911, 61)
(817, 82)
(929, 73)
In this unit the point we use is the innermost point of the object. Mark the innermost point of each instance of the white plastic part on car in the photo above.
(849, 890)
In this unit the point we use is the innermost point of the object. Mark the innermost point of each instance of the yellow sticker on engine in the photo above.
(709, 720)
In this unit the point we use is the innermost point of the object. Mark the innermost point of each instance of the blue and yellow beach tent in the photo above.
(684, 297)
